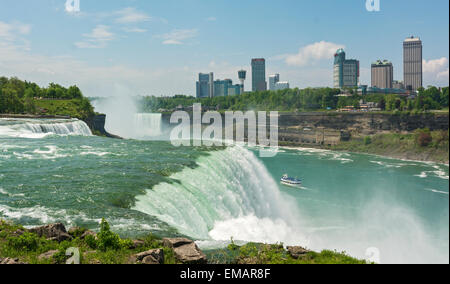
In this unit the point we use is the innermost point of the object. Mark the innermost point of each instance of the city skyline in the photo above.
(140, 48)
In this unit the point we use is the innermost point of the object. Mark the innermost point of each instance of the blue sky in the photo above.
(148, 47)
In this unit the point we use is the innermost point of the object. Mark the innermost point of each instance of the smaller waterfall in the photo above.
(148, 124)
(39, 128)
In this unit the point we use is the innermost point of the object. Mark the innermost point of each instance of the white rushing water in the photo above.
(230, 195)
(147, 125)
(33, 128)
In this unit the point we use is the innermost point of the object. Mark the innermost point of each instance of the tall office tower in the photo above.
(382, 74)
(412, 63)
(205, 85)
(346, 71)
(259, 82)
(273, 80)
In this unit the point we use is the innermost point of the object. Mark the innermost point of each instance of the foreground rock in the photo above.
(137, 244)
(297, 252)
(154, 256)
(47, 255)
(88, 233)
(10, 261)
(53, 232)
(186, 251)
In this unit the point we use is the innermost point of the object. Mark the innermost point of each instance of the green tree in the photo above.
(29, 104)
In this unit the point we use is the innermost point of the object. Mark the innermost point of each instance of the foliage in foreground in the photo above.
(109, 248)
(254, 253)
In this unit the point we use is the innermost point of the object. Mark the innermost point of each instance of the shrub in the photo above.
(424, 138)
(91, 241)
(367, 140)
(108, 240)
(442, 136)
(27, 241)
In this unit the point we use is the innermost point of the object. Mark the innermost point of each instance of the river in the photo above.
(56, 171)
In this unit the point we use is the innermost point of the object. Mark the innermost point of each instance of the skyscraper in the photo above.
(382, 74)
(412, 63)
(346, 71)
(205, 85)
(259, 82)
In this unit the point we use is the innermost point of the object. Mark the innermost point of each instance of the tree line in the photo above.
(17, 96)
(310, 99)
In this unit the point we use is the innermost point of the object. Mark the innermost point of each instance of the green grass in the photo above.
(28, 247)
(70, 108)
(111, 249)
(254, 253)
(400, 146)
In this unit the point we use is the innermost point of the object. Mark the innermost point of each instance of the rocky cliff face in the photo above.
(97, 125)
(331, 128)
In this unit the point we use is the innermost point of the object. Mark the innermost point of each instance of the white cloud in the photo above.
(94, 79)
(311, 53)
(177, 37)
(12, 30)
(211, 19)
(98, 38)
(131, 16)
(436, 71)
(435, 66)
(135, 30)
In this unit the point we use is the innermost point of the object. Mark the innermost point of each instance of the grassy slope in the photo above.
(29, 246)
(394, 145)
(403, 146)
(62, 107)
(254, 253)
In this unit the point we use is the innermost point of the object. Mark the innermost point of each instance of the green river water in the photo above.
(56, 171)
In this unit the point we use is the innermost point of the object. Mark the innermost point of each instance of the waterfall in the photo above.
(39, 128)
(148, 125)
(229, 194)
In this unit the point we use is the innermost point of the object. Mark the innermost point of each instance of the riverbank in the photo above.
(392, 145)
(48, 245)
(33, 116)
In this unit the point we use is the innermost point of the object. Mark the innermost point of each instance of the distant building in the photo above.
(259, 82)
(398, 85)
(365, 90)
(242, 75)
(346, 71)
(223, 88)
(273, 79)
(412, 63)
(275, 84)
(281, 86)
(382, 74)
(205, 85)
